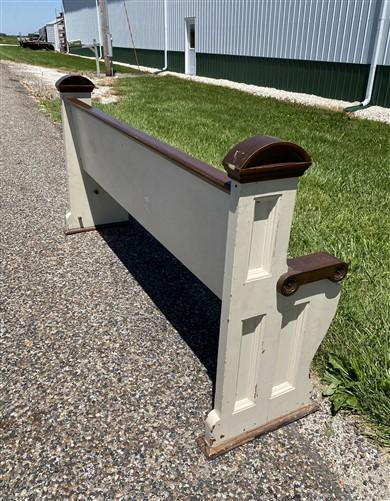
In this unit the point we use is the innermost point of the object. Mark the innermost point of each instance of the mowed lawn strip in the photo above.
(11, 39)
(52, 59)
(342, 208)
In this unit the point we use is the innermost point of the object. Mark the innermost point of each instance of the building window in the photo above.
(191, 35)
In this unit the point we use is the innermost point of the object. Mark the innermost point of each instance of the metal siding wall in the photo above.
(81, 20)
(316, 30)
(50, 33)
(326, 30)
(57, 44)
(386, 49)
(177, 11)
(146, 21)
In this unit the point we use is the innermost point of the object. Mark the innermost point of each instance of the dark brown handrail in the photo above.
(200, 169)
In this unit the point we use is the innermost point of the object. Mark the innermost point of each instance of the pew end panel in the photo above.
(267, 338)
(91, 206)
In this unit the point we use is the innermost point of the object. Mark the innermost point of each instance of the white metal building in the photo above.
(327, 47)
(52, 34)
(55, 33)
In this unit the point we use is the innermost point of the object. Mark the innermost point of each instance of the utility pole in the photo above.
(105, 31)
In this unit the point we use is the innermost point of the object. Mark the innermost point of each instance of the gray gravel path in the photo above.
(108, 355)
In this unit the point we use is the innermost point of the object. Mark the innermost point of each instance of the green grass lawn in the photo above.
(342, 207)
(56, 60)
(9, 39)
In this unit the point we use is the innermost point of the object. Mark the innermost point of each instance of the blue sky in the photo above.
(26, 16)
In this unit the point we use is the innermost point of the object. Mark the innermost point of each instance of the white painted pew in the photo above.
(231, 231)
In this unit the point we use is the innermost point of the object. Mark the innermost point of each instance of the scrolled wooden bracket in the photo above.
(311, 268)
(262, 158)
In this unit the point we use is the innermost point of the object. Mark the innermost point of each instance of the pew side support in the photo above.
(268, 337)
(91, 207)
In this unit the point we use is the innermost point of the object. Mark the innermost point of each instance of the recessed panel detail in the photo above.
(263, 234)
(290, 346)
(246, 386)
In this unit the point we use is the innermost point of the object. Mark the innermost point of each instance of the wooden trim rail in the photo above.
(196, 167)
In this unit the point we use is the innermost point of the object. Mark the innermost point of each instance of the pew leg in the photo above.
(267, 341)
(91, 207)
(256, 249)
(306, 316)
(273, 368)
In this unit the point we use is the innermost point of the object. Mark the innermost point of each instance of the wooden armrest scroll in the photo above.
(311, 268)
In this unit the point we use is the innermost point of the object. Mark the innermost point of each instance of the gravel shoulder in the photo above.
(108, 358)
(40, 81)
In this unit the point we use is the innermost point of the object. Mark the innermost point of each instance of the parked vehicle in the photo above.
(36, 40)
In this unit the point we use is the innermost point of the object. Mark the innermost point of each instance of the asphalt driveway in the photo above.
(108, 349)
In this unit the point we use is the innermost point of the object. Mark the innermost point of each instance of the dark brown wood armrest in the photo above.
(311, 268)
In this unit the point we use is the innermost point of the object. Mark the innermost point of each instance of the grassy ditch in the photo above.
(341, 208)
(51, 59)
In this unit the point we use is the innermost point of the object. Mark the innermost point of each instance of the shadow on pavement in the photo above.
(191, 308)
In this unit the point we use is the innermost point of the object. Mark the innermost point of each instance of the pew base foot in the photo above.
(243, 438)
(73, 231)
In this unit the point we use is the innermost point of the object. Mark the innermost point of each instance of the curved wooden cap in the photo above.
(74, 83)
(260, 158)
